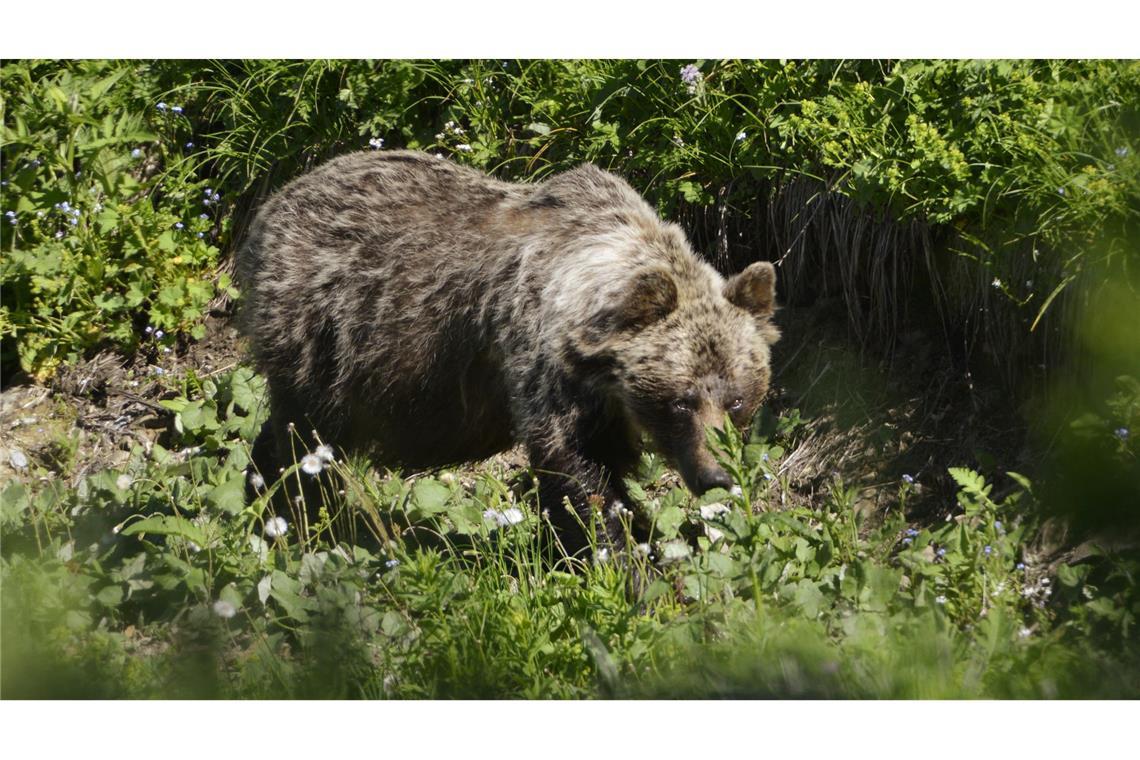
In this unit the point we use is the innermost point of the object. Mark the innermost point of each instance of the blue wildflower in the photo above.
(1121, 433)
(908, 479)
(189, 145)
(203, 216)
(159, 334)
(987, 550)
(1060, 191)
(941, 552)
(998, 526)
(136, 153)
(392, 563)
(176, 109)
(201, 235)
(906, 541)
(1020, 565)
(178, 225)
(161, 106)
(911, 532)
(11, 215)
(690, 74)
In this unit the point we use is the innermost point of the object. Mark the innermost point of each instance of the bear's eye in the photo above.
(686, 404)
(736, 405)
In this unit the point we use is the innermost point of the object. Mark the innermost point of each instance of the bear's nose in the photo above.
(710, 479)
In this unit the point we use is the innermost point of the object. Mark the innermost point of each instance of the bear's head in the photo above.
(696, 350)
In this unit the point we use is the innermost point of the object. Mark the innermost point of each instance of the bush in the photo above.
(108, 230)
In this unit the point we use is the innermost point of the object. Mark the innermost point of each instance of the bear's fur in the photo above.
(426, 314)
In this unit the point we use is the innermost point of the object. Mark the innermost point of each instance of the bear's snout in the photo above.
(707, 480)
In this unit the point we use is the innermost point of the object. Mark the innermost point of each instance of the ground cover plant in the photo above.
(937, 502)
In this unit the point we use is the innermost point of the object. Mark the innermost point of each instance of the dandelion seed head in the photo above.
(123, 482)
(311, 464)
(276, 527)
(224, 609)
(256, 480)
(325, 452)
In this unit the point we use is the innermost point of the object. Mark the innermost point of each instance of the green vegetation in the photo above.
(127, 183)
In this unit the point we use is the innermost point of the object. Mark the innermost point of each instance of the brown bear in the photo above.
(425, 314)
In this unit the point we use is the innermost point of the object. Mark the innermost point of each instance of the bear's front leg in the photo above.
(580, 497)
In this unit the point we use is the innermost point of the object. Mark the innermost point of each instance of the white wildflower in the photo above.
(311, 464)
(511, 516)
(276, 527)
(740, 136)
(940, 599)
(463, 148)
(17, 459)
(736, 491)
(602, 555)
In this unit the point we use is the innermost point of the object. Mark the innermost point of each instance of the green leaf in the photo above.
(166, 525)
(430, 496)
(669, 520)
(229, 495)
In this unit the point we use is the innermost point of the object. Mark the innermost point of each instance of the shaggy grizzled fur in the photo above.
(421, 312)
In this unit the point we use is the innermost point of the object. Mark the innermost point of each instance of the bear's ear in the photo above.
(652, 296)
(754, 289)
